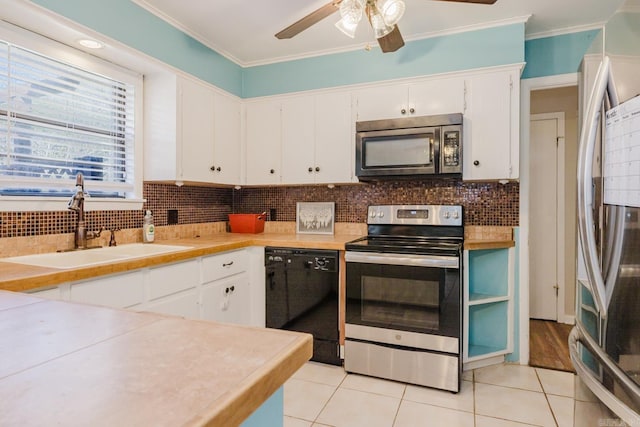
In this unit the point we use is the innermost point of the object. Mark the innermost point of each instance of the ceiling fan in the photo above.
(383, 15)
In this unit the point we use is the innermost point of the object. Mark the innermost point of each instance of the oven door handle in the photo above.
(403, 259)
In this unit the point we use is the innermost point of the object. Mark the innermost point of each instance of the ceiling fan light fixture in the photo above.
(351, 11)
(379, 25)
(347, 27)
(392, 11)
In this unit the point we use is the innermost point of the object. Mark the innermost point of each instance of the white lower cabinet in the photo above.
(119, 290)
(227, 300)
(215, 287)
(183, 304)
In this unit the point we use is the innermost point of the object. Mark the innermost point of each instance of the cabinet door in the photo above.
(196, 131)
(226, 160)
(119, 291)
(169, 279)
(382, 102)
(298, 140)
(263, 133)
(491, 127)
(334, 141)
(183, 304)
(437, 96)
(227, 300)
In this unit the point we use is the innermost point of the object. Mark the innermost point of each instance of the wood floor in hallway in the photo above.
(548, 345)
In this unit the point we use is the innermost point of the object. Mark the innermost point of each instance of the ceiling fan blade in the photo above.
(473, 1)
(312, 18)
(392, 41)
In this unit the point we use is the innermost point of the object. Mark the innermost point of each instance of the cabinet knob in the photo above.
(403, 111)
(272, 171)
(310, 169)
(412, 110)
(476, 162)
(317, 168)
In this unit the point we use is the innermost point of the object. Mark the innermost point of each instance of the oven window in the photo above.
(406, 298)
(401, 302)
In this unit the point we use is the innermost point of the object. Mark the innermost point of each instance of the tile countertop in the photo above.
(75, 364)
(19, 277)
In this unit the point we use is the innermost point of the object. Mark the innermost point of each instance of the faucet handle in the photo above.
(112, 239)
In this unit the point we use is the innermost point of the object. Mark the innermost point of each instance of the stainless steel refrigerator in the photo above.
(605, 343)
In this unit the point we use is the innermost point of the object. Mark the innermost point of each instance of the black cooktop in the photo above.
(407, 245)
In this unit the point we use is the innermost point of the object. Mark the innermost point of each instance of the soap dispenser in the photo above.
(148, 229)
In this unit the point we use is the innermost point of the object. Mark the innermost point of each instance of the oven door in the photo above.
(416, 294)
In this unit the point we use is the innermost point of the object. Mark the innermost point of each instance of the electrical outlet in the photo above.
(172, 216)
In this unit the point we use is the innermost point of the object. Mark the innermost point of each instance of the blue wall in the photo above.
(562, 54)
(463, 51)
(132, 25)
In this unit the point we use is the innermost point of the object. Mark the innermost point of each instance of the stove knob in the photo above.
(455, 214)
(447, 214)
(373, 214)
(381, 214)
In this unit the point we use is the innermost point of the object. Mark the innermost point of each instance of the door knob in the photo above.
(310, 169)
(476, 162)
(272, 171)
(317, 168)
(403, 111)
(412, 110)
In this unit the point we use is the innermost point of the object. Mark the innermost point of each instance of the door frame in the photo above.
(560, 207)
(526, 86)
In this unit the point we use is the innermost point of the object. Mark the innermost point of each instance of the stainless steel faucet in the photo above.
(76, 204)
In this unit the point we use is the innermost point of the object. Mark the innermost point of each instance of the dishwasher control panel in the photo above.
(310, 259)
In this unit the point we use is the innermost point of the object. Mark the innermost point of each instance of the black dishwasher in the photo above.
(302, 295)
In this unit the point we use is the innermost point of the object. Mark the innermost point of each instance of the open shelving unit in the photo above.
(488, 305)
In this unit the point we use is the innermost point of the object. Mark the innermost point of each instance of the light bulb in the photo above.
(392, 11)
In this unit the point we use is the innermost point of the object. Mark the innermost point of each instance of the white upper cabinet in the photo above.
(226, 140)
(492, 126)
(317, 139)
(420, 98)
(185, 140)
(196, 131)
(306, 139)
(263, 142)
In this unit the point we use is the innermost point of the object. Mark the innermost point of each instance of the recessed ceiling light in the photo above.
(91, 44)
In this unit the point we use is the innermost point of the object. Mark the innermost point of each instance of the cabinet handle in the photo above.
(272, 171)
(317, 168)
(226, 290)
(403, 111)
(227, 264)
(212, 168)
(310, 169)
(233, 288)
(476, 163)
(218, 169)
(412, 110)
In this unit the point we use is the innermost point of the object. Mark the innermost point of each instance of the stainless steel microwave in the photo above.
(412, 147)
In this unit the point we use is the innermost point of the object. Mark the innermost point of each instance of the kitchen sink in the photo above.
(88, 257)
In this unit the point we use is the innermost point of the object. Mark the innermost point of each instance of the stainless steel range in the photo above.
(403, 300)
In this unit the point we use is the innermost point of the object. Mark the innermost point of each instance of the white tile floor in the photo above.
(496, 396)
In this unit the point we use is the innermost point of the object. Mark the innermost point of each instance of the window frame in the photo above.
(75, 57)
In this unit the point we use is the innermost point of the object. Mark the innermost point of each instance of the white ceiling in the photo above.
(243, 30)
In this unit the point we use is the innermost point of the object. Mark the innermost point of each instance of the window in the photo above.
(58, 119)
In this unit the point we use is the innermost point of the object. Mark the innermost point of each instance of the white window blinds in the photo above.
(57, 120)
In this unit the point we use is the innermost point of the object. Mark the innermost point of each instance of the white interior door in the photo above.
(546, 134)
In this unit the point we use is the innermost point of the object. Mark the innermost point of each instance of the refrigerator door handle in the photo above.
(590, 380)
(585, 178)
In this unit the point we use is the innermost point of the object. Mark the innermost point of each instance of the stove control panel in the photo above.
(450, 215)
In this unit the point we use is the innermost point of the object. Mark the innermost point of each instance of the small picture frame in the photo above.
(315, 217)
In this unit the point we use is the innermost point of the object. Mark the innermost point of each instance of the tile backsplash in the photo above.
(484, 204)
